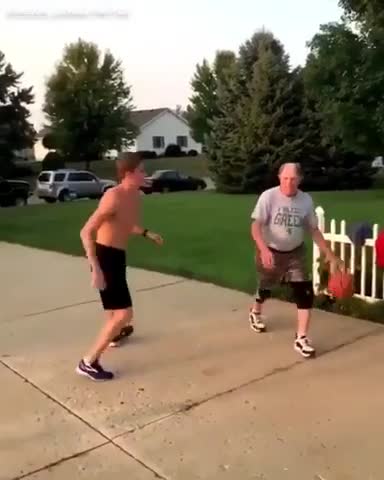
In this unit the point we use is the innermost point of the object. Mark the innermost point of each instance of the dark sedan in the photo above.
(14, 192)
(172, 181)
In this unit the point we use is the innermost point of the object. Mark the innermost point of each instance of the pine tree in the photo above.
(16, 132)
(275, 123)
(262, 120)
(204, 103)
(317, 153)
(250, 51)
(225, 161)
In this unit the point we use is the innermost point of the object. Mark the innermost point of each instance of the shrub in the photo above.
(53, 161)
(173, 150)
(379, 179)
(21, 171)
(49, 141)
(147, 154)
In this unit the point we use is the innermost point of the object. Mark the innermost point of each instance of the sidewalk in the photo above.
(197, 394)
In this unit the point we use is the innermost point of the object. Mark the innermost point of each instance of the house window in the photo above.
(158, 142)
(182, 141)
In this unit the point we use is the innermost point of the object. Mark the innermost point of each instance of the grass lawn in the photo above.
(194, 166)
(206, 234)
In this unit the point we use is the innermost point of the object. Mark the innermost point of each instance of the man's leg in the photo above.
(116, 320)
(127, 329)
(298, 277)
(303, 321)
(256, 318)
(117, 303)
(89, 365)
(304, 296)
(263, 292)
(125, 332)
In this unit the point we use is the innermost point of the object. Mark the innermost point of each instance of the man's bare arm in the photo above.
(105, 210)
(258, 236)
(320, 241)
(137, 230)
(155, 237)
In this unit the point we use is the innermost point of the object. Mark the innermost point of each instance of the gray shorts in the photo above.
(289, 267)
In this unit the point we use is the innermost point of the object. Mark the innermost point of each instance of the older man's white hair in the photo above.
(295, 166)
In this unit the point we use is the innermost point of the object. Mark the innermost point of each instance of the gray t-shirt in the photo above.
(285, 219)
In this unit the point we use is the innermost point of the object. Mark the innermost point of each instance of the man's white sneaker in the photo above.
(125, 332)
(256, 322)
(304, 347)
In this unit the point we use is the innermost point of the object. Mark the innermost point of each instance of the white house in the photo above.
(158, 128)
(378, 163)
(26, 154)
(40, 150)
(161, 127)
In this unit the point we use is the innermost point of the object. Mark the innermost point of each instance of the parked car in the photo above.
(172, 181)
(68, 184)
(14, 192)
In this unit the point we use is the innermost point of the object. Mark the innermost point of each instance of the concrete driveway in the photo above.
(34, 200)
(197, 394)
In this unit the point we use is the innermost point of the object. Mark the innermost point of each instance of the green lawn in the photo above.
(195, 166)
(206, 234)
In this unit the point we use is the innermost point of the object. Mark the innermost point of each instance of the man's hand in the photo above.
(98, 280)
(267, 258)
(266, 255)
(155, 237)
(330, 257)
(335, 261)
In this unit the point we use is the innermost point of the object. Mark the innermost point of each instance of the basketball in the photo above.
(340, 284)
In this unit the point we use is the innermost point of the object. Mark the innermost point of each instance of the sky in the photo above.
(158, 41)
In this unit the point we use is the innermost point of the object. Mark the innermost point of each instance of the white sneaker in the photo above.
(304, 347)
(256, 322)
(125, 332)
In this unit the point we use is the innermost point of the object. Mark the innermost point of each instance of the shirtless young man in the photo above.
(113, 222)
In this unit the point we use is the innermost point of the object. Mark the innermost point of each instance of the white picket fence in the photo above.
(370, 282)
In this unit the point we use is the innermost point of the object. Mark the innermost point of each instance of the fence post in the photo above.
(316, 251)
(374, 293)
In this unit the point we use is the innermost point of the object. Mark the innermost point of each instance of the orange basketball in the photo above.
(340, 284)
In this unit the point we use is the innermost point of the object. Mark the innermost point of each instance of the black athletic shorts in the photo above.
(112, 261)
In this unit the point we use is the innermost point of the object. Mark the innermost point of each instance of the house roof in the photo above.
(43, 131)
(142, 117)
(138, 118)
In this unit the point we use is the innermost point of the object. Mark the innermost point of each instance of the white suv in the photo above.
(66, 184)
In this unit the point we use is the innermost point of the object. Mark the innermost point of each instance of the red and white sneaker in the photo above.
(256, 321)
(304, 347)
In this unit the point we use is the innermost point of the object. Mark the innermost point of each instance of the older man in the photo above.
(281, 218)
